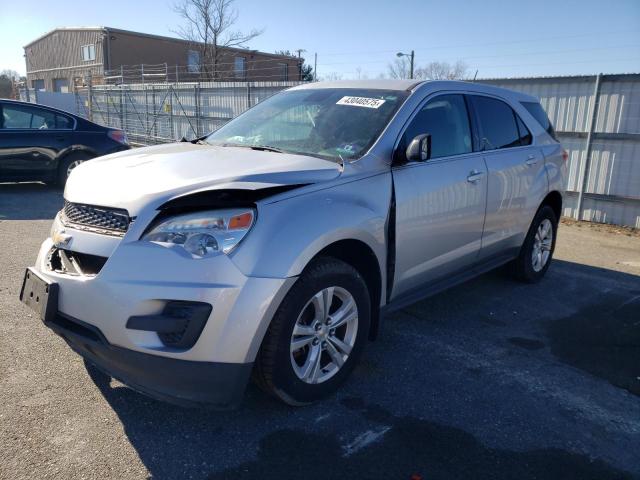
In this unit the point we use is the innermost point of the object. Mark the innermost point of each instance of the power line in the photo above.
(510, 42)
(546, 52)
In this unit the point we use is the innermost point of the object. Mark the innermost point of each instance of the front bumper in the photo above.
(140, 279)
(181, 382)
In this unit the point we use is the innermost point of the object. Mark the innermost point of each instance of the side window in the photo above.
(536, 111)
(18, 116)
(445, 119)
(497, 123)
(88, 52)
(193, 61)
(63, 122)
(525, 134)
(239, 67)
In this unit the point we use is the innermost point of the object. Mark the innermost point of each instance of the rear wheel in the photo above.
(317, 335)
(68, 164)
(537, 250)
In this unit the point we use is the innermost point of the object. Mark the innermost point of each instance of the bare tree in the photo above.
(209, 25)
(8, 79)
(399, 68)
(361, 75)
(331, 76)
(443, 71)
(11, 74)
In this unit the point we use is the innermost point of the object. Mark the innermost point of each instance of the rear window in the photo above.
(535, 109)
(497, 123)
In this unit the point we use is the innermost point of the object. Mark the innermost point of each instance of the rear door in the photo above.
(440, 202)
(516, 178)
(30, 139)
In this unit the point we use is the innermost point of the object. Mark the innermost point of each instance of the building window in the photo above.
(193, 61)
(61, 85)
(239, 67)
(37, 84)
(88, 52)
(284, 71)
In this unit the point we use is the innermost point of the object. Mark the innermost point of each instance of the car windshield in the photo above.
(332, 123)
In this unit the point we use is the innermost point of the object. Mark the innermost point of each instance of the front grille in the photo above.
(114, 221)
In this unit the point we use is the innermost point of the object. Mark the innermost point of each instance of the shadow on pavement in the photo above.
(601, 338)
(29, 201)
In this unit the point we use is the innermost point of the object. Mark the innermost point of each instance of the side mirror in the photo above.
(419, 150)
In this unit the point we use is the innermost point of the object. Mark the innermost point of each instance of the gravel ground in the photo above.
(492, 379)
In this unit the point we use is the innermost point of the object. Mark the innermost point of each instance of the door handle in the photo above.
(531, 160)
(474, 176)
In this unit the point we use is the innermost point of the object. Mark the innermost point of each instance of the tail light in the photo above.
(565, 155)
(118, 135)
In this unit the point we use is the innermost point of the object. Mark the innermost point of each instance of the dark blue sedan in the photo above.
(39, 143)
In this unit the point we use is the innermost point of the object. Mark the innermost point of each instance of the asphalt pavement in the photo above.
(492, 379)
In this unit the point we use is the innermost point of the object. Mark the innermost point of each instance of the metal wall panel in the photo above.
(612, 187)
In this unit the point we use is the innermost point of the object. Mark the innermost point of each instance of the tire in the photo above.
(535, 256)
(67, 164)
(289, 375)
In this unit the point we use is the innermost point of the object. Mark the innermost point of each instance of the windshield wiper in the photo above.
(266, 148)
(263, 148)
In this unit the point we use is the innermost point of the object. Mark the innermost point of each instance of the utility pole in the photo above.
(300, 50)
(315, 67)
(411, 68)
(411, 56)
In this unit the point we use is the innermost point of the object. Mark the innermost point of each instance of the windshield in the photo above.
(331, 123)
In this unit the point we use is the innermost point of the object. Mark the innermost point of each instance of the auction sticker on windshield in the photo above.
(361, 102)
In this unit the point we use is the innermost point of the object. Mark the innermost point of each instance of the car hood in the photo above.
(133, 179)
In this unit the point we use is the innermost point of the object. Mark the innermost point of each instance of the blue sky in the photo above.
(498, 38)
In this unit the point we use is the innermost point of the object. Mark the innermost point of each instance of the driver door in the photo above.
(440, 202)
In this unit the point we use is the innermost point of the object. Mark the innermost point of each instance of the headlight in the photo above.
(204, 233)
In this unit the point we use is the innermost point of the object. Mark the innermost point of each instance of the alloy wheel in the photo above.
(324, 335)
(542, 244)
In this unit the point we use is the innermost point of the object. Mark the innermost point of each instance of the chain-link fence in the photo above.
(160, 113)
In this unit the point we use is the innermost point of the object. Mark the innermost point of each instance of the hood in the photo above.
(133, 179)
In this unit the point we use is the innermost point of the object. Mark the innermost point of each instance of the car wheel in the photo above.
(537, 250)
(67, 165)
(317, 334)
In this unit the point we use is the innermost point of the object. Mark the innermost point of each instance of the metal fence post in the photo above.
(248, 95)
(122, 117)
(584, 171)
(90, 100)
(196, 93)
(171, 94)
(153, 99)
(147, 131)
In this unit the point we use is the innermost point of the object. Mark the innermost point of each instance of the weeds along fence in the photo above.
(151, 114)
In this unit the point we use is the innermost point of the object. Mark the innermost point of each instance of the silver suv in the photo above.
(274, 245)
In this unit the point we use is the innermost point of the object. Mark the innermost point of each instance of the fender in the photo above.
(308, 223)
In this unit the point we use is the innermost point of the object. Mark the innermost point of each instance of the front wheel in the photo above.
(537, 250)
(317, 335)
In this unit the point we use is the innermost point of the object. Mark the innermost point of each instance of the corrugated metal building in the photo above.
(597, 119)
(65, 57)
